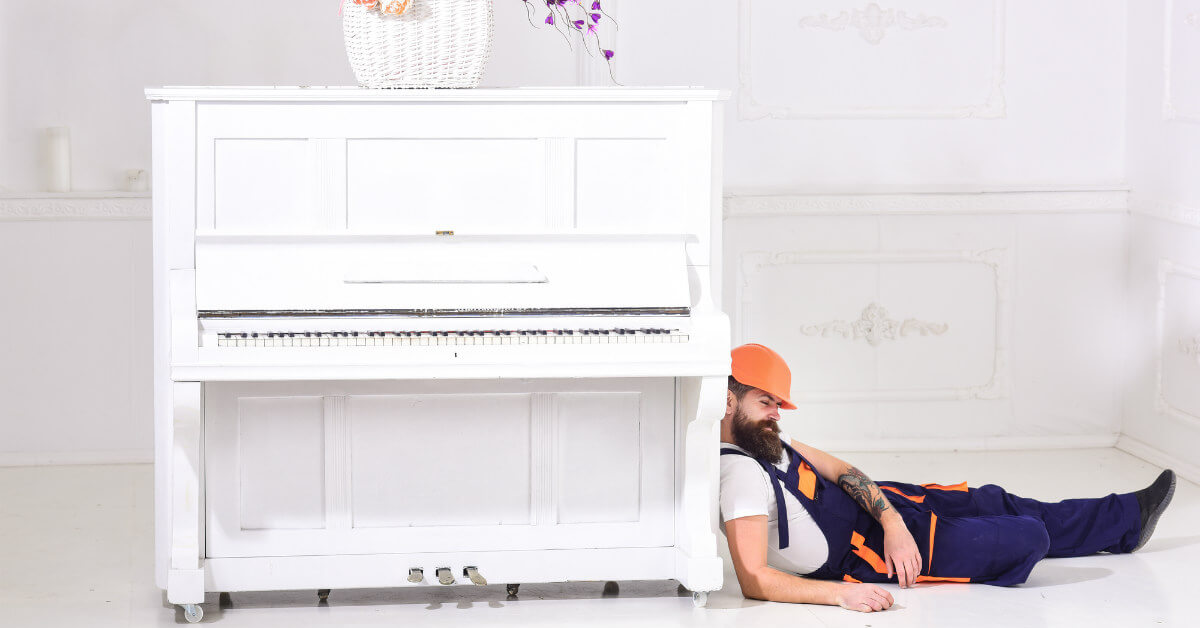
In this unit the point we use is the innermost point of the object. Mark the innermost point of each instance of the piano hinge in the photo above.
(447, 232)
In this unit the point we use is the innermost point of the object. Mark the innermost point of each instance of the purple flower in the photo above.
(591, 29)
(596, 5)
(608, 54)
(579, 24)
(550, 19)
(595, 17)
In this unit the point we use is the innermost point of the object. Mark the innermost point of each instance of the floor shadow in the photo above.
(1051, 575)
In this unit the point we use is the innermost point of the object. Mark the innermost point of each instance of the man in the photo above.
(804, 526)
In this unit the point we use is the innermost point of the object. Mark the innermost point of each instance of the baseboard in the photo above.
(1159, 458)
(984, 443)
(104, 456)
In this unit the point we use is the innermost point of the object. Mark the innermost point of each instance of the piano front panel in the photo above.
(324, 468)
(469, 185)
(430, 460)
(264, 185)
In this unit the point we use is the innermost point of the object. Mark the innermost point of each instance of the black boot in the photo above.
(1152, 501)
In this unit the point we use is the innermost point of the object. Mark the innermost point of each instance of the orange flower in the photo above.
(370, 4)
(395, 7)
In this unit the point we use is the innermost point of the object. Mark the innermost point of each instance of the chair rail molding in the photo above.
(75, 206)
(999, 264)
(929, 202)
(871, 23)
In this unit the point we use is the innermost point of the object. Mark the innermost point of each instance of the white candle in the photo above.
(58, 158)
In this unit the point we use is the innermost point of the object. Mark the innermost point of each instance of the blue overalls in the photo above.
(983, 535)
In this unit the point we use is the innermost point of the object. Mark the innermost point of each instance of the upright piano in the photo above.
(414, 338)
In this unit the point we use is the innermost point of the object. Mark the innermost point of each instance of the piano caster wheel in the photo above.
(224, 601)
(699, 599)
(512, 589)
(193, 613)
(323, 595)
(611, 589)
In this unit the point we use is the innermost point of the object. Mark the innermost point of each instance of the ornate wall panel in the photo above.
(895, 59)
(1177, 394)
(882, 326)
(1181, 63)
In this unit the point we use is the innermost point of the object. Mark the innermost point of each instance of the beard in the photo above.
(761, 439)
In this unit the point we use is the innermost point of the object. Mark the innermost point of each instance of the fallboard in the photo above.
(286, 276)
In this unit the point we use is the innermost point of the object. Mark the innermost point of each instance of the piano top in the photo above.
(511, 94)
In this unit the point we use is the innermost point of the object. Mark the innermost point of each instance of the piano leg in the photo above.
(698, 567)
(185, 575)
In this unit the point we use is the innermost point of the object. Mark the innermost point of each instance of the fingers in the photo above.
(887, 559)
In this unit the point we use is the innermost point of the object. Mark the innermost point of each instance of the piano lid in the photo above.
(446, 276)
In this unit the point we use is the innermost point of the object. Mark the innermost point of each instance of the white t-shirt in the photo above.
(746, 490)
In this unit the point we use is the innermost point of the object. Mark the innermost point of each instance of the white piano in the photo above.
(415, 338)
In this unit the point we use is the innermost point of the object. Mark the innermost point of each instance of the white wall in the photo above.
(988, 95)
(1162, 408)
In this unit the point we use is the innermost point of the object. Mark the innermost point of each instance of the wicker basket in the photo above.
(435, 43)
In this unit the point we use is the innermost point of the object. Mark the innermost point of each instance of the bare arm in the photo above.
(900, 550)
(748, 548)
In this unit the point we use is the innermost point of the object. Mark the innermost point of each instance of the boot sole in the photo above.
(1148, 531)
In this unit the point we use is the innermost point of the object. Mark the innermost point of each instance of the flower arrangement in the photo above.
(570, 15)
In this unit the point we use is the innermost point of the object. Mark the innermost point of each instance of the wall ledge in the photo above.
(106, 456)
(970, 443)
(75, 206)
(929, 202)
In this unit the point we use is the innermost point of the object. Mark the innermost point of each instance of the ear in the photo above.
(730, 403)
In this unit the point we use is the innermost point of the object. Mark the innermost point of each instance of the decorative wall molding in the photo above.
(1190, 347)
(998, 263)
(874, 326)
(1096, 201)
(970, 443)
(1162, 405)
(1171, 110)
(750, 108)
(47, 458)
(75, 207)
(872, 21)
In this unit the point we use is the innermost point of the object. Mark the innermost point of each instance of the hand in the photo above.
(901, 555)
(864, 598)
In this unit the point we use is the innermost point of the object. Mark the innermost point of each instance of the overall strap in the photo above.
(780, 505)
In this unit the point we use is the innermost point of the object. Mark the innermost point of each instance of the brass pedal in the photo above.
(415, 575)
(473, 574)
(444, 576)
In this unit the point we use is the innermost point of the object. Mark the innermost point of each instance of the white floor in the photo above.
(77, 544)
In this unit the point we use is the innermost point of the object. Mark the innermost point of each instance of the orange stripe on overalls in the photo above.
(961, 486)
(929, 562)
(808, 480)
(858, 544)
(916, 499)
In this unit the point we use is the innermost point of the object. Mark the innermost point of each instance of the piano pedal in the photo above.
(444, 576)
(473, 574)
(416, 575)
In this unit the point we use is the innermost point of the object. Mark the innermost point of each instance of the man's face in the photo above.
(756, 425)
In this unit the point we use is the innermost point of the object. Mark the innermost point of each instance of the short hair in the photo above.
(738, 389)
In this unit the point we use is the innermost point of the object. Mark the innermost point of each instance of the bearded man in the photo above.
(804, 526)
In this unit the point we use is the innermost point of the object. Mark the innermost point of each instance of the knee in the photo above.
(1035, 537)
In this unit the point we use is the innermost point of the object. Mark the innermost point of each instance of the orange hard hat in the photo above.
(757, 366)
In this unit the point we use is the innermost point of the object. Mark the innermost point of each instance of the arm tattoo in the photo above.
(864, 491)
